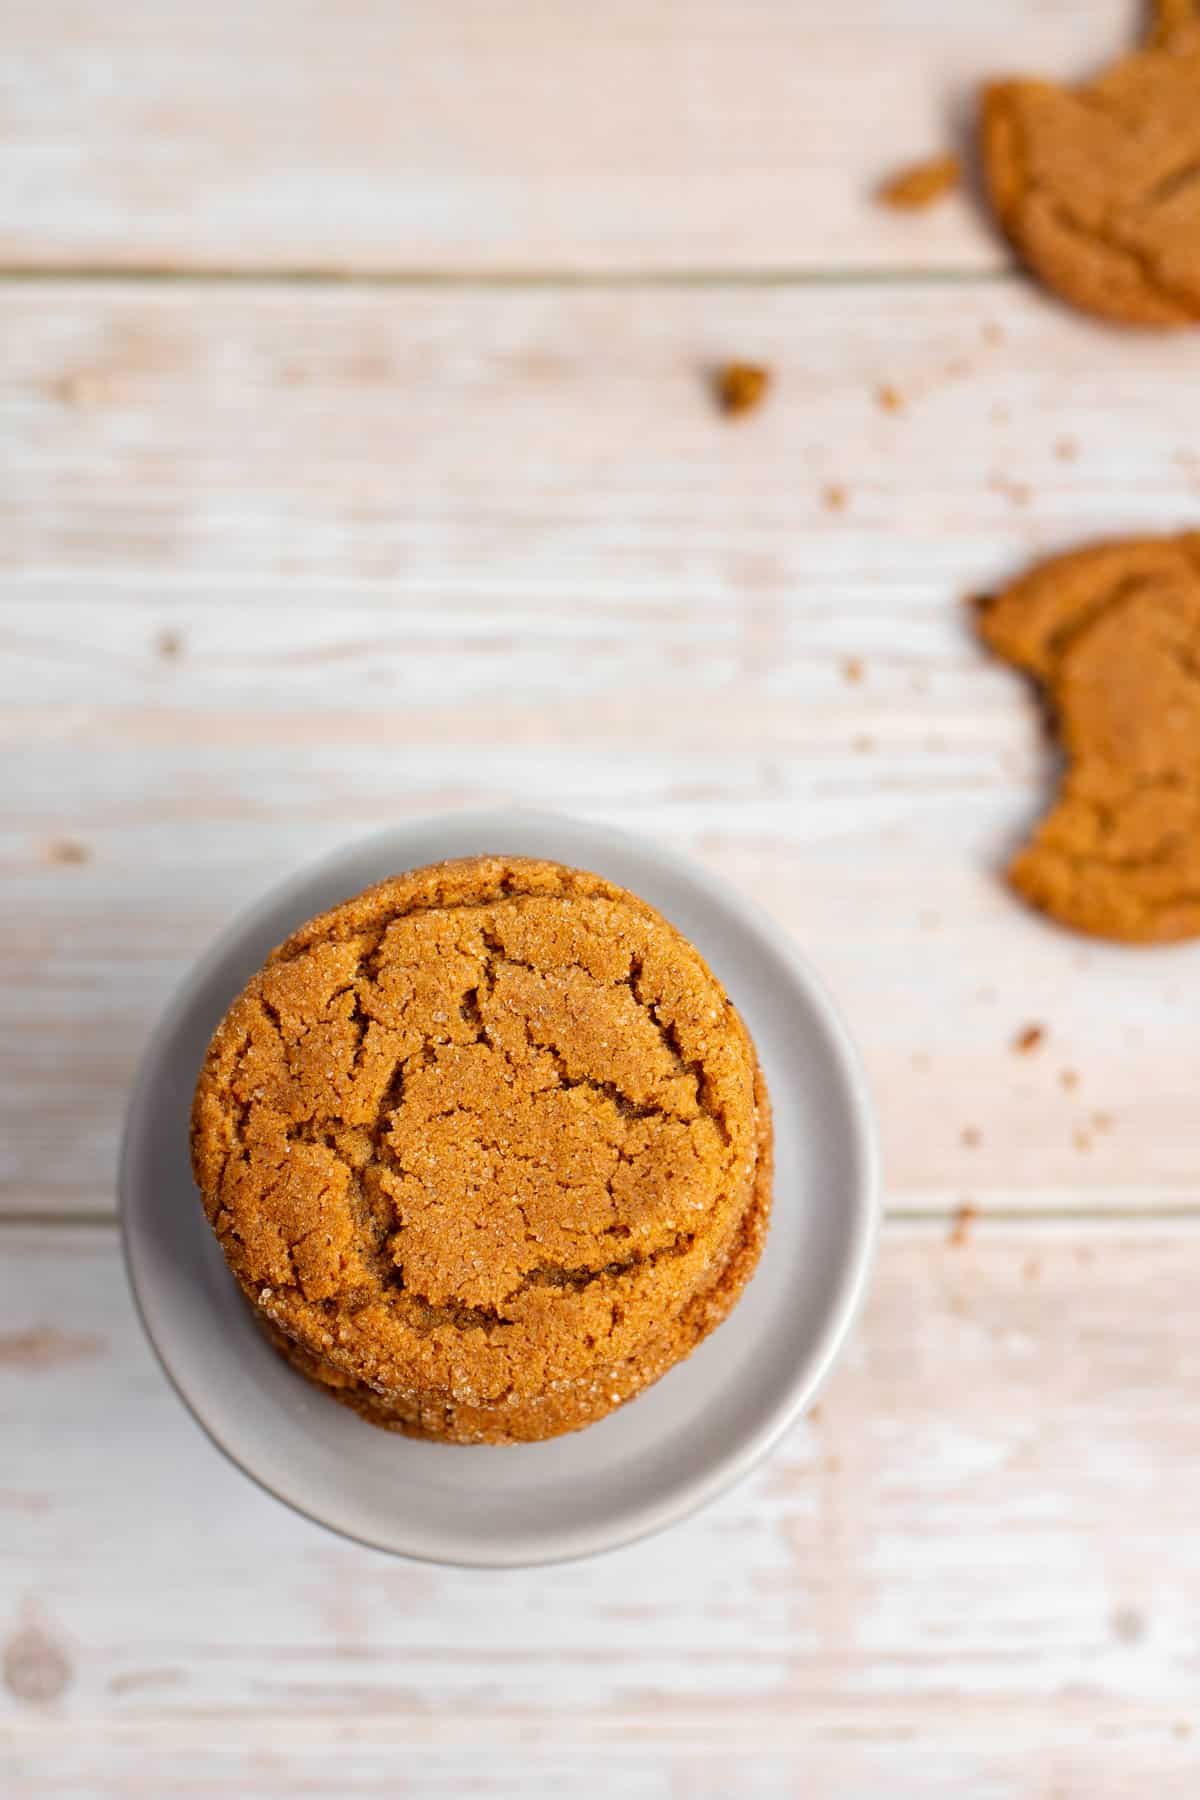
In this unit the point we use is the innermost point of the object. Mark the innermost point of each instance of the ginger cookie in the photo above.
(1112, 635)
(487, 1148)
(1098, 186)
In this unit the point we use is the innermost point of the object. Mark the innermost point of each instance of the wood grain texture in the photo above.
(973, 1569)
(285, 565)
(644, 134)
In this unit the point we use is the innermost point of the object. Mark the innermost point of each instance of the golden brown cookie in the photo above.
(482, 1145)
(1098, 186)
(1112, 634)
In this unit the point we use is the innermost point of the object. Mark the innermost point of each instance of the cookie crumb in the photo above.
(1019, 492)
(1066, 449)
(1082, 1140)
(852, 669)
(960, 1228)
(68, 850)
(921, 184)
(1069, 1080)
(1029, 1039)
(169, 644)
(83, 390)
(834, 496)
(1102, 1121)
(742, 386)
(972, 1137)
(889, 398)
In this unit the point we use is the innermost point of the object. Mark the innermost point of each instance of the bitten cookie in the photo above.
(1098, 186)
(1113, 636)
(487, 1148)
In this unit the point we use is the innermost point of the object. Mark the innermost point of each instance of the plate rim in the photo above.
(750, 1449)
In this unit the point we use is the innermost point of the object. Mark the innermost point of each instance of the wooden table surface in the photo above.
(359, 462)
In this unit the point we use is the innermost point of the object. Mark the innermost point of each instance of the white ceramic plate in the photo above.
(682, 1441)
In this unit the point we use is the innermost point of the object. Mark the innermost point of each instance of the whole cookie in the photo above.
(478, 1144)
(1113, 636)
(1098, 186)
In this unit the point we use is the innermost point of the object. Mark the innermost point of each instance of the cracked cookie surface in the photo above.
(1098, 186)
(1112, 634)
(478, 1137)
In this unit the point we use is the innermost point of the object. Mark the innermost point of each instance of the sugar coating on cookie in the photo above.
(1098, 186)
(478, 1139)
(1112, 635)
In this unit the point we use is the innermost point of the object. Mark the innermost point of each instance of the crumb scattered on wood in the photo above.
(834, 496)
(921, 184)
(1102, 1121)
(972, 1137)
(83, 390)
(169, 645)
(960, 1227)
(852, 668)
(741, 386)
(889, 398)
(68, 850)
(1019, 492)
(1029, 1038)
(1069, 1080)
(1082, 1140)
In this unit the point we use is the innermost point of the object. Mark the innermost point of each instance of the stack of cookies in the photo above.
(487, 1148)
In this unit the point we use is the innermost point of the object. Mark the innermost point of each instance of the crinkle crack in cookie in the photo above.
(487, 1148)
(1098, 186)
(1113, 635)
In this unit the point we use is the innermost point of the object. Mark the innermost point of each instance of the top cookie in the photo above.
(1113, 635)
(478, 1131)
(1098, 186)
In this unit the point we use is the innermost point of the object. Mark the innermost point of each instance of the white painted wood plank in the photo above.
(978, 1562)
(339, 1761)
(280, 566)
(535, 135)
